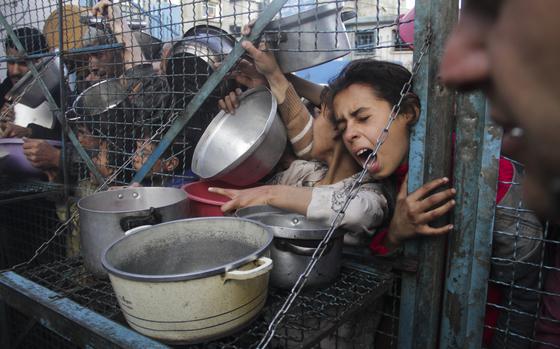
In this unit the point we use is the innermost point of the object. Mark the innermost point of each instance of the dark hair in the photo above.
(31, 39)
(385, 78)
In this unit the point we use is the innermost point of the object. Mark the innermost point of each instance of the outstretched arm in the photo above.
(289, 198)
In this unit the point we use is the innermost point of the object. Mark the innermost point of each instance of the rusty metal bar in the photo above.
(430, 158)
(475, 178)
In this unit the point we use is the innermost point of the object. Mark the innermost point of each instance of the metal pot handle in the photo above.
(135, 230)
(264, 266)
(284, 245)
(152, 218)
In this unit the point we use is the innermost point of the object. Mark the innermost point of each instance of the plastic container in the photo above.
(13, 161)
(204, 203)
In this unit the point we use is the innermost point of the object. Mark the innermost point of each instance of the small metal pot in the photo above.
(106, 216)
(241, 149)
(295, 241)
(309, 38)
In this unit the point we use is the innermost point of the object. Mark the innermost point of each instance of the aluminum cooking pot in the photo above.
(106, 216)
(191, 280)
(242, 148)
(295, 240)
(99, 98)
(193, 59)
(28, 90)
(309, 38)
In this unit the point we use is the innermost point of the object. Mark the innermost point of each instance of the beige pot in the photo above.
(192, 280)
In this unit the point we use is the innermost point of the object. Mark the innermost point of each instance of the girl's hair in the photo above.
(385, 78)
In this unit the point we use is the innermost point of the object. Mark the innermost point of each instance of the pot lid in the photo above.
(286, 224)
(231, 138)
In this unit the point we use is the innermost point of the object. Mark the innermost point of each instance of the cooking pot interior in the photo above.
(132, 199)
(229, 137)
(190, 248)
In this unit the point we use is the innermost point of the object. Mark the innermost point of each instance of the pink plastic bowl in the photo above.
(204, 203)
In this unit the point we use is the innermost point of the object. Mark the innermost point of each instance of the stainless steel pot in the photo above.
(105, 216)
(191, 280)
(194, 59)
(241, 149)
(29, 88)
(309, 38)
(295, 241)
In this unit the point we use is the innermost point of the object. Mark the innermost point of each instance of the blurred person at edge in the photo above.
(510, 49)
(34, 43)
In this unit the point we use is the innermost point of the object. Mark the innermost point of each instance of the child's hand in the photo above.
(242, 198)
(414, 212)
(103, 8)
(230, 102)
(246, 74)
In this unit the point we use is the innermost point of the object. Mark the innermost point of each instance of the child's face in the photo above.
(141, 155)
(323, 144)
(361, 117)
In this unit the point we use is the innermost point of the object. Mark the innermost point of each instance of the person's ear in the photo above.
(169, 165)
(412, 115)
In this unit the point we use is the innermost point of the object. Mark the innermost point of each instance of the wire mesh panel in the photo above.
(130, 70)
(522, 270)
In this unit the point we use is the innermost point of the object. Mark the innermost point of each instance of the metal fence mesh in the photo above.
(130, 72)
(523, 254)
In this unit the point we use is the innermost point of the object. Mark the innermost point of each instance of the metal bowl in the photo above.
(28, 89)
(99, 98)
(309, 38)
(242, 148)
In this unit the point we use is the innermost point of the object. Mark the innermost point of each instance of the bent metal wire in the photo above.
(300, 283)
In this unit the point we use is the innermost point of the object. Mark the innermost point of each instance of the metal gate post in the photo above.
(430, 158)
(476, 172)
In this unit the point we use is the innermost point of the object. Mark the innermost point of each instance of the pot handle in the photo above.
(151, 218)
(137, 229)
(284, 245)
(264, 266)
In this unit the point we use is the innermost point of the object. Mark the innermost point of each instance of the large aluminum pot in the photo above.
(106, 216)
(241, 149)
(309, 38)
(191, 280)
(295, 240)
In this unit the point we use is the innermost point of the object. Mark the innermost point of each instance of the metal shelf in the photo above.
(314, 316)
(12, 190)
